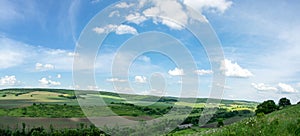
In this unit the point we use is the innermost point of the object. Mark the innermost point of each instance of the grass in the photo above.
(50, 104)
(51, 111)
(189, 131)
(283, 122)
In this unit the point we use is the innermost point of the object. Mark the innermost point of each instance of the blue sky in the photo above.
(259, 39)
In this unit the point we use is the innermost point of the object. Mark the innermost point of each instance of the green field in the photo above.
(58, 105)
(285, 122)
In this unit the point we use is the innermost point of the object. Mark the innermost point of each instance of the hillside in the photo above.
(45, 107)
(285, 122)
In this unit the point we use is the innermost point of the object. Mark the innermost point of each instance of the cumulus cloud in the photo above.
(114, 13)
(118, 29)
(203, 72)
(211, 5)
(72, 54)
(136, 18)
(43, 67)
(285, 88)
(280, 88)
(263, 87)
(45, 82)
(115, 80)
(124, 5)
(144, 58)
(169, 9)
(176, 72)
(234, 70)
(9, 81)
(140, 79)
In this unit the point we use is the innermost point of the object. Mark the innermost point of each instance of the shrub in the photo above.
(283, 102)
(266, 107)
(220, 123)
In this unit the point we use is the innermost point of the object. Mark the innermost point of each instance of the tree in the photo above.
(220, 122)
(284, 102)
(266, 107)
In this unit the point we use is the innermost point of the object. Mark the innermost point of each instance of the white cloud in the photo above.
(12, 53)
(136, 18)
(203, 72)
(171, 24)
(115, 80)
(211, 5)
(9, 81)
(21, 55)
(125, 29)
(234, 69)
(140, 79)
(58, 76)
(263, 87)
(114, 13)
(121, 29)
(72, 54)
(46, 82)
(43, 67)
(280, 88)
(171, 10)
(285, 88)
(124, 5)
(100, 30)
(176, 72)
(144, 58)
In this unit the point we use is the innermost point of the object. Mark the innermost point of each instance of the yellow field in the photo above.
(36, 96)
(195, 105)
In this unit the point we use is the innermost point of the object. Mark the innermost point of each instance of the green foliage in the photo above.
(283, 122)
(283, 102)
(125, 109)
(40, 131)
(68, 97)
(220, 122)
(266, 107)
(46, 110)
(260, 115)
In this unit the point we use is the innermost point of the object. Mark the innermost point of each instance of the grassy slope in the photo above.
(285, 122)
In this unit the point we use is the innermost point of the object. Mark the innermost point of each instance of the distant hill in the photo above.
(133, 96)
(285, 122)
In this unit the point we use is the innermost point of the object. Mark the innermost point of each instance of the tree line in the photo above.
(270, 106)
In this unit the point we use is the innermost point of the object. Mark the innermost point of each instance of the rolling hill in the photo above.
(285, 122)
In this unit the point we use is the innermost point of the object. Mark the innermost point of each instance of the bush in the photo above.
(220, 123)
(283, 102)
(4, 95)
(266, 107)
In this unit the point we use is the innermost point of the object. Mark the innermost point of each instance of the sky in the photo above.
(260, 42)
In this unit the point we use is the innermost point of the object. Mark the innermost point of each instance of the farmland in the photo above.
(60, 108)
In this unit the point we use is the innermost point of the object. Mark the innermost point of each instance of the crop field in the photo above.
(60, 108)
